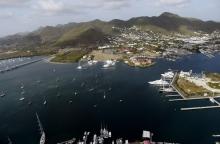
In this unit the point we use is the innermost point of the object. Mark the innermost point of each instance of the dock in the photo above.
(173, 95)
(71, 141)
(188, 99)
(200, 108)
(208, 54)
(19, 65)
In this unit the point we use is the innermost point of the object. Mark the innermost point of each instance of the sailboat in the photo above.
(104, 95)
(45, 101)
(2, 94)
(79, 66)
(43, 136)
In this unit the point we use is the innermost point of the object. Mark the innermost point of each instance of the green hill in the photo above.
(95, 32)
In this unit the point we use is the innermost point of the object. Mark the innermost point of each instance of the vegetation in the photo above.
(23, 53)
(68, 57)
(190, 89)
(94, 32)
(213, 76)
(214, 85)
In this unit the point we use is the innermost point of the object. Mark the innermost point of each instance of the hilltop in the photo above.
(88, 35)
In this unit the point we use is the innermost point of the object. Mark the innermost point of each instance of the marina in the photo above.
(18, 66)
(78, 101)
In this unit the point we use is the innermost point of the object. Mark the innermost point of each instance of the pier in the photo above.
(200, 108)
(208, 54)
(19, 65)
(188, 99)
(173, 95)
(68, 141)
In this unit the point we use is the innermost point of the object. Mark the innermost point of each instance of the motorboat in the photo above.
(168, 75)
(159, 82)
(21, 99)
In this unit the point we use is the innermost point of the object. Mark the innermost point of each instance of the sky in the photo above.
(27, 15)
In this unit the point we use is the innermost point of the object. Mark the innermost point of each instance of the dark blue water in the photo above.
(142, 108)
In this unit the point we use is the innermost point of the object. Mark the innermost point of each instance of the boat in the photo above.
(92, 89)
(159, 82)
(23, 92)
(91, 62)
(21, 99)
(45, 102)
(43, 136)
(168, 75)
(79, 66)
(9, 141)
(2, 94)
(22, 87)
(167, 90)
(104, 95)
(212, 100)
(71, 141)
(30, 103)
(109, 63)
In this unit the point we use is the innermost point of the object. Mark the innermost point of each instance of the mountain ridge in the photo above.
(96, 31)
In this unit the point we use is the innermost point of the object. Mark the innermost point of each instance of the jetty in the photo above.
(71, 141)
(200, 108)
(206, 53)
(19, 66)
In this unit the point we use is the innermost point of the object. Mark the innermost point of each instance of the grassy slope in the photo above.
(190, 89)
(69, 57)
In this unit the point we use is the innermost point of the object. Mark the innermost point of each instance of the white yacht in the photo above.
(21, 99)
(91, 62)
(109, 63)
(159, 82)
(167, 90)
(168, 75)
(79, 66)
(2, 94)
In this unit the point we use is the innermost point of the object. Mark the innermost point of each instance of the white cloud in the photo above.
(57, 7)
(12, 2)
(51, 5)
(6, 15)
(179, 3)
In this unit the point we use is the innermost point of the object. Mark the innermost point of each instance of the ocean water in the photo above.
(131, 104)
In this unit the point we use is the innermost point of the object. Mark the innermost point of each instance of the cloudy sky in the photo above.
(27, 15)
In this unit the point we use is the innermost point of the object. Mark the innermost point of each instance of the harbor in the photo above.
(82, 100)
(19, 65)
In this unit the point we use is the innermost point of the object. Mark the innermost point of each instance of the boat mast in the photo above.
(39, 124)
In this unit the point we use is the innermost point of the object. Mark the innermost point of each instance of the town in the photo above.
(137, 47)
